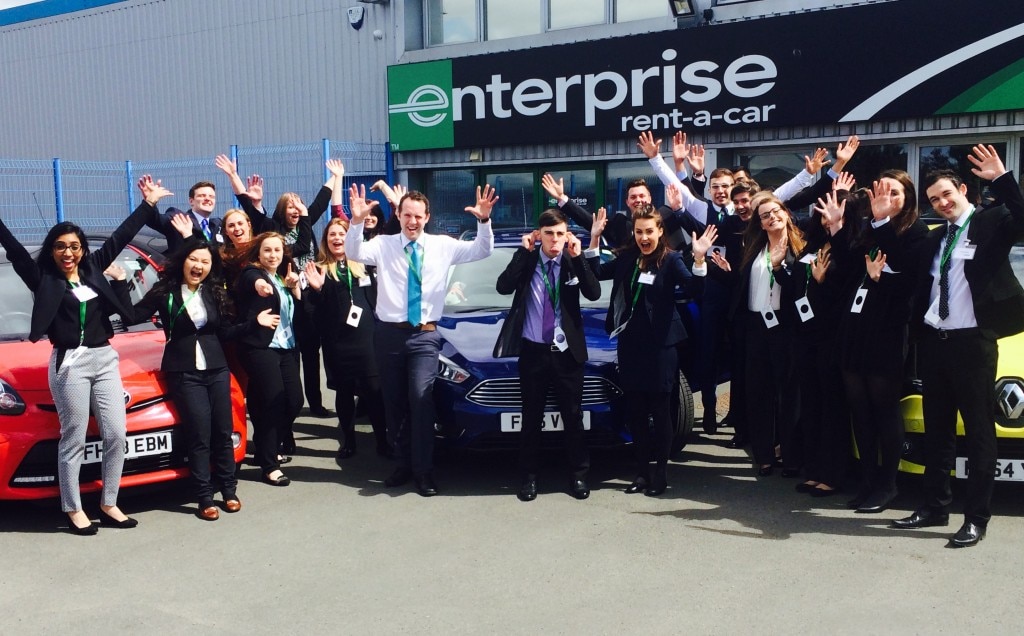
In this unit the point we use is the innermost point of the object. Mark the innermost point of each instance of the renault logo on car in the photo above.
(1010, 397)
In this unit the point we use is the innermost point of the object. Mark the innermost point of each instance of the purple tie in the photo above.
(548, 324)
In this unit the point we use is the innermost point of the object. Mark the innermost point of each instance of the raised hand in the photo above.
(393, 197)
(680, 149)
(314, 276)
(400, 192)
(817, 161)
(573, 244)
(267, 319)
(831, 209)
(718, 259)
(555, 189)
(226, 165)
(703, 244)
(876, 265)
(254, 188)
(845, 153)
(183, 224)
(485, 200)
(153, 191)
(696, 159)
(357, 204)
(263, 288)
(336, 168)
(777, 252)
(600, 222)
(116, 272)
(530, 240)
(299, 205)
(819, 266)
(673, 197)
(989, 165)
(880, 195)
(648, 145)
(844, 181)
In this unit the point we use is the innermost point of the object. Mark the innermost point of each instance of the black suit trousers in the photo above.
(540, 368)
(203, 399)
(958, 374)
(273, 397)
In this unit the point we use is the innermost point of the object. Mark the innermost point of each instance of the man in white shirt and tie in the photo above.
(412, 275)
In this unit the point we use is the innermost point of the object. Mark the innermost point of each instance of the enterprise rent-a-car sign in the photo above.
(908, 58)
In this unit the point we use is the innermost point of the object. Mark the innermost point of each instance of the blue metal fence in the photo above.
(98, 195)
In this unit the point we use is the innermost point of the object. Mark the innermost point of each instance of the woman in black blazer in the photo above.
(196, 315)
(274, 391)
(73, 303)
(771, 284)
(642, 315)
(343, 296)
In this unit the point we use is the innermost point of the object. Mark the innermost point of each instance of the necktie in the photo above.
(205, 226)
(721, 215)
(548, 322)
(945, 262)
(415, 294)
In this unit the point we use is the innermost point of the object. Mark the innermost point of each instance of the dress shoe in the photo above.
(319, 411)
(876, 502)
(425, 485)
(284, 459)
(923, 518)
(738, 441)
(824, 492)
(126, 523)
(578, 488)
(805, 487)
(764, 471)
(710, 425)
(232, 504)
(726, 421)
(657, 487)
(969, 534)
(85, 531)
(280, 480)
(791, 472)
(528, 489)
(346, 451)
(401, 476)
(859, 500)
(208, 512)
(639, 485)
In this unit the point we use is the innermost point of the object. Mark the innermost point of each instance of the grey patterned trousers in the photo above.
(93, 380)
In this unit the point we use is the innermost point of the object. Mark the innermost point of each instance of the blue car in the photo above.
(477, 396)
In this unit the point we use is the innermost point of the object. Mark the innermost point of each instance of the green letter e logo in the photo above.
(419, 106)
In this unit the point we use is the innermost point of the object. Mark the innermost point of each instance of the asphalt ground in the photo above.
(336, 552)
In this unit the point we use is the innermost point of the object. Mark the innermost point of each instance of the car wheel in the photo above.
(682, 414)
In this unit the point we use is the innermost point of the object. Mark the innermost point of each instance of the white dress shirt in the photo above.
(439, 253)
(196, 309)
(961, 303)
(763, 295)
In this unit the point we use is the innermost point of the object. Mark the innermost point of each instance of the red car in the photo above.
(29, 428)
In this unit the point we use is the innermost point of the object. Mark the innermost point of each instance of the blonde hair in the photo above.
(326, 260)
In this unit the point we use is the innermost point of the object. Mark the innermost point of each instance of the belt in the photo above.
(539, 345)
(407, 326)
(946, 334)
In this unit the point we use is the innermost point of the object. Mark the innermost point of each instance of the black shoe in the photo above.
(858, 501)
(726, 421)
(738, 440)
(528, 489)
(425, 485)
(107, 520)
(969, 534)
(876, 502)
(281, 480)
(923, 518)
(709, 424)
(401, 476)
(87, 531)
(824, 492)
(284, 459)
(639, 485)
(805, 488)
(346, 451)
(319, 411)
(657, 487)
(578, 488)
(764, 471)
(790, 472)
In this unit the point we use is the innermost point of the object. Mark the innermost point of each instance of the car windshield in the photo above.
(471, 285)
(1017, 261)
(16, 301)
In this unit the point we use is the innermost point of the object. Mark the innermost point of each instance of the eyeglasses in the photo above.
(63, 247)
(777, 212)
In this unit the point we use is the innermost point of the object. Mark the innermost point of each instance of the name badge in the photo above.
(646, 278)
(286, 333)
(303, 283)
(965, 253)
(354, 314)
(560, 340)
(615, 332)
(808, 259)
(219, 238)
(858, 301)
(365, 281)
(572, 281)
(716, 249)
(83, 293)
(771, 319)
(803, 309)
(931, 317)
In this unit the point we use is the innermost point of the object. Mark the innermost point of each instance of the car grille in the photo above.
(504, 393)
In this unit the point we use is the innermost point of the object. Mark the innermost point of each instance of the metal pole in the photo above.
(326, 155)
(131, 190)
(58, 190)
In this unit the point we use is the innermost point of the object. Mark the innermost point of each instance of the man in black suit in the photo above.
(619, 230)
(202, 199)
(968, 300)
(545, 329)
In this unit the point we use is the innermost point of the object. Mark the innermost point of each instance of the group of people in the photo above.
(809, 307)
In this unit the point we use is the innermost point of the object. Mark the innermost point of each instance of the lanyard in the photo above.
(81, 316)
(286, 296)
(348, 275)
(636, 287)
(871, 255)
(768, 264)
(553, 294)
(949, 252)
(184, 303)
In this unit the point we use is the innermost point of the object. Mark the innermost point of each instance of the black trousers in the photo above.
(824, 417)
(308, 340)
(714, 324)
(650, 444)
(540, 368)
(273, 397)
(203, 400)
(345, 392)
(772, 392)
(958, 374)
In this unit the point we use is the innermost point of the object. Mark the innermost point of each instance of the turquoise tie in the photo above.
(205, 225)
(415, 283)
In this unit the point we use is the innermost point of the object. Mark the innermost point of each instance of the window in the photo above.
(951, 158)
(512, 18)
(627, 10)
(515, 198)
(451, 21)
(619, 174)
(450, 191)
(564, 14)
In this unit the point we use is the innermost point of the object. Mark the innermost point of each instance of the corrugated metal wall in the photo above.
(184, 78)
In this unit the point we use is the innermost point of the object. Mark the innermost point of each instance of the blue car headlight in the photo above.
(10, 402)
(451, 372)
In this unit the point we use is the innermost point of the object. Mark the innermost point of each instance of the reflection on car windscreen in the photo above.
(1017, 261)
(471, 286)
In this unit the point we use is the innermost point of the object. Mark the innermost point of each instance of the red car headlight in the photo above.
(10, 402)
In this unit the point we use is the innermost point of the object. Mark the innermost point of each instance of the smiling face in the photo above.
(637, 198)
(741, 204)
(773, 216)
(413, 217)
(67, 252)
(720, 187)
(271, 253)
(552, 239)
(203, 201)
(237, 228)
(646, 233)
(292, 212)
(197, 267)
(948, 200)
(336, 241)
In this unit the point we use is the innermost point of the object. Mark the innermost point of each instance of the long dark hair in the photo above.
(907, 216)
(172, 275)
(45, 258)
(655, 258)
(857, 205)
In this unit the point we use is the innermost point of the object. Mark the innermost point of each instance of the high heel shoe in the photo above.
(639, 485)
(124, 524)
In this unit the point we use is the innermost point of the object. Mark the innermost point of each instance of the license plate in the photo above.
(513, 422)
(1006, 469)
(134, 446)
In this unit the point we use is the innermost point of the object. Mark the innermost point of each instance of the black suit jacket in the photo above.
(250, 304)
(162, 223)
(995, 290)
(516, 278)
(49, 285)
